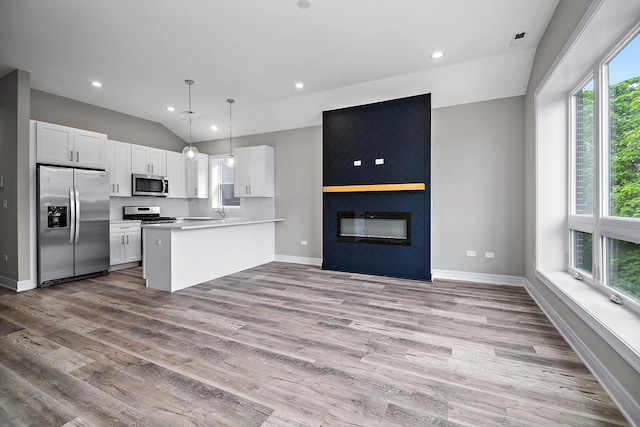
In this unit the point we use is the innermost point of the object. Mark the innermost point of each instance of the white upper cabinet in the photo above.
(67, 146)
(119, 166)
(198, 177)
(158, 161)
(148, 161)
(254, 171)
(176, 175)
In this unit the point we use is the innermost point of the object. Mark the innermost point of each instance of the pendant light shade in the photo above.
(190, 152)
(230, 160)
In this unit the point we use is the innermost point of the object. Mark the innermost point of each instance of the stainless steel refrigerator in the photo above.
(73, 224)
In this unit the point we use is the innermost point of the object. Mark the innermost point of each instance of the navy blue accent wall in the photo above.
(399, 131)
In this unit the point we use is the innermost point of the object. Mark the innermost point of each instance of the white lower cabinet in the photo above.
(126, 242)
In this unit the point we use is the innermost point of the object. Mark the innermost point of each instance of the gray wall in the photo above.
(478, 187)
(120, 127)
(14, 167)
(298, 177)
(565, 20)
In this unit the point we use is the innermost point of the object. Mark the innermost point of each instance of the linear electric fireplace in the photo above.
(387, 228)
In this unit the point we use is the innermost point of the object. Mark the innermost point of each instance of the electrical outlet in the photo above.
(5, 258)
(5, 204)
(489, 254)
(471, 253)
(303, 242)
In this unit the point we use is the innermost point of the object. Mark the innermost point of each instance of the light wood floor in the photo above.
(289, 345)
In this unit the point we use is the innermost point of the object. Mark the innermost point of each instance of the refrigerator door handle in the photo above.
(77, 216)
(72, 215)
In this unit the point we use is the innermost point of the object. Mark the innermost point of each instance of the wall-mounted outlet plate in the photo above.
(471, 253)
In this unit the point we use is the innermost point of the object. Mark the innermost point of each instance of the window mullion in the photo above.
(600, 162)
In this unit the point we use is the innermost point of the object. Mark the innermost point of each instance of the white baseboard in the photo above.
(618, 394)
(299, 260)
(117, 267)
(18, 286)
(464, 276)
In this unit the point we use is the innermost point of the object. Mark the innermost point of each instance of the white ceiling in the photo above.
(347, 52)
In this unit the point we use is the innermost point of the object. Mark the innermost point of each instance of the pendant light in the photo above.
(230, 160)
(190, 152)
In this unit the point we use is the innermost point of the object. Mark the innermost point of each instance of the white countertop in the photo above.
(191, 224)
(125, 221)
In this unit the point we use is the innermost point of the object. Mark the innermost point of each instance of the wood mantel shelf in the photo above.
(416, 186)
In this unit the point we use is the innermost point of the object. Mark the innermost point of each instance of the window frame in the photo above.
(601, 224)
(215, 180)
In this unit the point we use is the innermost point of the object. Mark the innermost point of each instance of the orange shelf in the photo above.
(417, 186)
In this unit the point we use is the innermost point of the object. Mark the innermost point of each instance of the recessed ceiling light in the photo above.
(299, 85)
(437, 54)
(96, 83)
(303, 4)
(170, 108)
(214, 127)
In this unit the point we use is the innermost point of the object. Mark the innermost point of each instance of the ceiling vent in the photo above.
(517, 39)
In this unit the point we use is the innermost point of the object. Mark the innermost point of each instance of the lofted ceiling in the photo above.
(347, 52)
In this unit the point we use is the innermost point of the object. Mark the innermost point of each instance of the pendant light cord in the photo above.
(230, 101)
(189, 83)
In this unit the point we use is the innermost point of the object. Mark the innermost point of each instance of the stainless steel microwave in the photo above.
(149, 185)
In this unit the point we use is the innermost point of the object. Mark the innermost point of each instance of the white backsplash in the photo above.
(168, 207)
(259, 208)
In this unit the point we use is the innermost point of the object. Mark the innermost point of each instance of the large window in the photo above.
(604, 214)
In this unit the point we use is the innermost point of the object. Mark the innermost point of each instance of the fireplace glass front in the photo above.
(391, 228)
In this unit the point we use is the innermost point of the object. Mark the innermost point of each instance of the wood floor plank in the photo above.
(289, 345)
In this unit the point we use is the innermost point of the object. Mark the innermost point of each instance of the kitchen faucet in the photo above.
(221, 212)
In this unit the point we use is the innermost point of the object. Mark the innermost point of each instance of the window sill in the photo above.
(615, 324)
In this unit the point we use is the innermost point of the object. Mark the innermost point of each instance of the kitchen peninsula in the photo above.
(182, 254)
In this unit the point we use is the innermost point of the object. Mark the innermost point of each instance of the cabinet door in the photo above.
(133, 244)
(54, 144)
(117, 247)
(121, 165)
(158, 161)
(140, 159)
(109, 166)
(242, 173)
(198, 177)
(176, 175)
(261, 160)
(90, 149)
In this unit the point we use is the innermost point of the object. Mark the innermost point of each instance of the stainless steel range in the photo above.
(146, 214)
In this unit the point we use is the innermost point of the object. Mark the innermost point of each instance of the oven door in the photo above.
(149, 185)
